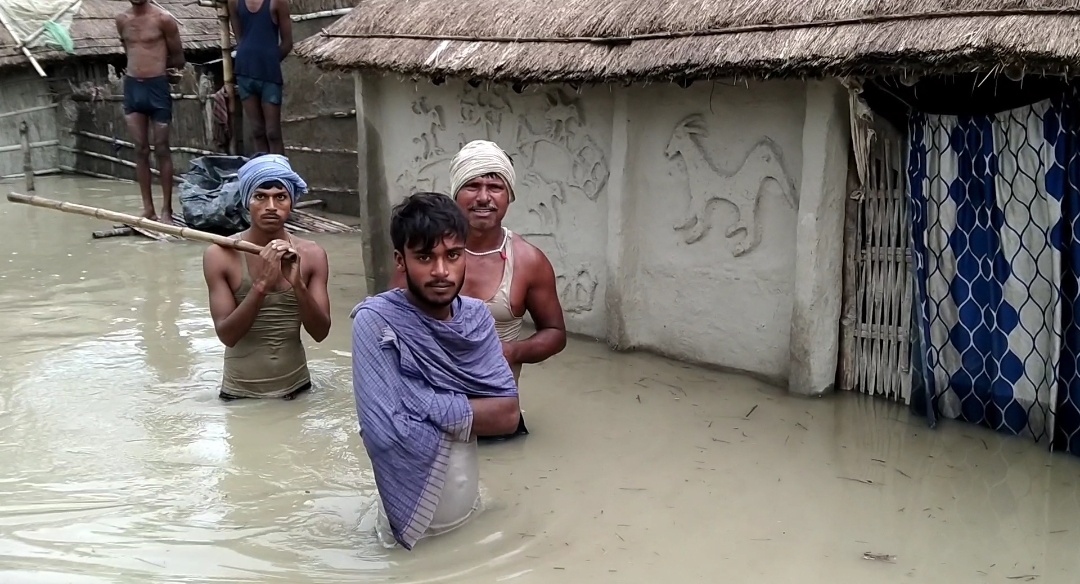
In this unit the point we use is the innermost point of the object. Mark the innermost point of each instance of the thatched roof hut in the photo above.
(93, 31)
(620, 40)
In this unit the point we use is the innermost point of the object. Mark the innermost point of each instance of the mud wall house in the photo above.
(689, 206)
(76, 111)
(724, 183)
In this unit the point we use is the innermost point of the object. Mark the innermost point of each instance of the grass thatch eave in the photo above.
(94, 32)
(584, 41)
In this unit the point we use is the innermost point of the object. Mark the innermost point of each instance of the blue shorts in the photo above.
(150, 97)
(267, 92)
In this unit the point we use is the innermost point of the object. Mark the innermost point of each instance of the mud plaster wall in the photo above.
(23, 89)
(319, 125)
(710, 198)
(671, 215)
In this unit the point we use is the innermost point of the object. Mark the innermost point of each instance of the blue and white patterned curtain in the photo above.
(996, 213)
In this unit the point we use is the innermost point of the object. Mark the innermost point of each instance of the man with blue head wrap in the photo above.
(259, 303)
(269, 168)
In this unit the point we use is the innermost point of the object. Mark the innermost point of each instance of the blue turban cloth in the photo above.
(269, 168)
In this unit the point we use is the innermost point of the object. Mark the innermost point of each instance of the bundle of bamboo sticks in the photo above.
(300, 222)
(317, 224)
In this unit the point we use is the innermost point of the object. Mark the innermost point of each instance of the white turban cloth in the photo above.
(478, 158)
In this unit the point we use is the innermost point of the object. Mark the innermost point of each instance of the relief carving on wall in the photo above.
(430, 138)
(740, 186)
(540, 226)
(555, 157)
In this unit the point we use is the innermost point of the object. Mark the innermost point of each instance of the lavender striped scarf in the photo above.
(412, 376)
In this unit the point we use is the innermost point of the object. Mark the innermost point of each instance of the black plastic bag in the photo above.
(209, 195)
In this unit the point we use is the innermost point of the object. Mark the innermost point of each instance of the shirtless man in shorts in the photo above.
(151, 39)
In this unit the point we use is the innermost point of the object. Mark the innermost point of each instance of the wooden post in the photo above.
(849, 314)
(28, 163)
(229, 77)
(814, 345)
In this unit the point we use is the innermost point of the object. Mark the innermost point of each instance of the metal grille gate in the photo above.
(875, 346)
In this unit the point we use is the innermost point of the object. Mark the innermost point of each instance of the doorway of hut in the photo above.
(990, 173)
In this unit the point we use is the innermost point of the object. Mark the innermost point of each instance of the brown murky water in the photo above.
(120, 465)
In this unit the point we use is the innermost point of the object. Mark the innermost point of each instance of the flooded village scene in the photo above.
(326, 291)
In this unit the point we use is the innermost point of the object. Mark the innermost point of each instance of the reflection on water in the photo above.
(120, 464)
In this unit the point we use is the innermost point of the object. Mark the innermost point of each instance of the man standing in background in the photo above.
(151, 38)
(263, 31)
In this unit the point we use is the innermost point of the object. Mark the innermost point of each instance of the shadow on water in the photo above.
(121, 465)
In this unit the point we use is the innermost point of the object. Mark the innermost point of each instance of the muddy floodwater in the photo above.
(118, 464)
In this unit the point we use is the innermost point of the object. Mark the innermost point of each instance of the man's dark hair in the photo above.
(422, 220)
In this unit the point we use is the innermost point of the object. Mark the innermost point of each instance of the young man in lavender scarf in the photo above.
(429, 376)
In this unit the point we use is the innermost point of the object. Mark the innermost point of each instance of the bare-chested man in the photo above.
(509, 274)
(259, 303)
(151, 38)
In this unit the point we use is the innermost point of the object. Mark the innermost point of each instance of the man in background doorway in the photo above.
(151, 40)
(263, 31)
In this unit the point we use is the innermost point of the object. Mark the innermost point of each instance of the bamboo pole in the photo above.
(320, 14)
(74, 170)
(28, 160)
(42, 172)
(339, 115)
(30, 38)
(229, 80)
(141, 222)
(320, 150)
(350, 192)
(126, 144)
(18, 41)
(36, 108)
(110, 98)
(114, 232)
(114, 160)
(33, 145)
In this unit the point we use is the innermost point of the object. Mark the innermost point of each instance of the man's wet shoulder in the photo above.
(219, 253)
(526, 255)
(307, 246)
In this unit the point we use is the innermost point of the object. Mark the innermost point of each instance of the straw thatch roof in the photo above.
(609, 40)
(94, 31)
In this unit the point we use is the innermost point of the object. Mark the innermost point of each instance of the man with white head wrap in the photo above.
(509, 274)
(259, 303)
